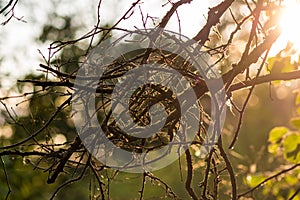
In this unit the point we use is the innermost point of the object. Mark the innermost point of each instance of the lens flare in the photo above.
(289, 23)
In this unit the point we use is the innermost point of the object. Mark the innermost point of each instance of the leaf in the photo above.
(276, 134)
(291, 179)
(295, 121)
(297, 99)
(273, 148)
(292, 192)
(298, 110)
(291, 146)
(272, 61)
(287, 64)
(254, 180)
(280, 64)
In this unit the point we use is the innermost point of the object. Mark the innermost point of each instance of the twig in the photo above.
(208, 160)
(100, 183)
(229, 169)
(286, 76)
(242, 111)
(20, 153)
(41, 129)
(295, 194)
(167, 187)
(143, 186)
(268, 179)
(72, 180)
(6, 179)
(252, 57)
(75, 145)
(189, 175)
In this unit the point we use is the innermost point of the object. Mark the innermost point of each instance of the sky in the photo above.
(20, 49)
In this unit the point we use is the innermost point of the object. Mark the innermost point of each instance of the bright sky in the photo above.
(19, 48)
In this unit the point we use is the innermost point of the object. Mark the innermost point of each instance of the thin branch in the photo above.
(72, 180)
(295, 194)
(229, 169)
(256, 15)
(74, 146)
(12, 15)
(201, 87)
(167, 187)
(268, 179)
(287, 76)
(242, 111)
(100, 183)
(6, 179)
(207, 170)
(23, 154)
(7, 5)
(96, 26)
(189, 175)
(143, 186)
(40, 129)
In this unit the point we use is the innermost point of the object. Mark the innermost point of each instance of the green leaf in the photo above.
(273, 148)
(280, 64)
(287, 64)
(295, 122)
(298, 110)
(276, 134)
(291, 146)
(291, 192)
(254, 180)
(291, 179)
(271, 61)
(298, 99)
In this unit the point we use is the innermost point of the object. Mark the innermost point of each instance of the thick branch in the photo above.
(214, 16)
(265, 79)
(252, 57)
(5, 7)
(74, 146)
(169, 14)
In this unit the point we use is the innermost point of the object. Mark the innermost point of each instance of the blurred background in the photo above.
(24, 44)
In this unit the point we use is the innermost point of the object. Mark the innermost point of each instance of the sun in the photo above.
(290, 23)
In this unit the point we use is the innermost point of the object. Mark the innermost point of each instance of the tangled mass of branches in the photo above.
(50, 140)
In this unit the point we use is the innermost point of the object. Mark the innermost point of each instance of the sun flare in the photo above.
(289, 23)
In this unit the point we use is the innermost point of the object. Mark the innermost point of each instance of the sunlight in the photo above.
(289, 23)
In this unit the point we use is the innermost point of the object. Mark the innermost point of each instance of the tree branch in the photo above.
(169, 14)
(268, 179)
(287, 76)
(41, 129)
(75, 145)
(252, 57)
(229, 169)
(189, 177)
(7, 5)
(214, 16)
